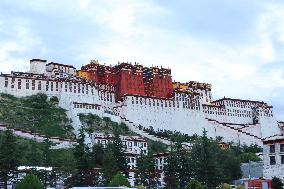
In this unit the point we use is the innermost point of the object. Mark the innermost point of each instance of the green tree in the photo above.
(206, 167)
(30, 182)
(119, 154)
(46, 160)
(146, 174)
(110, 165)
(277, 183)
(178, 169)
(119, 180)
(8, 156)
(249, 156)
(194, 184)
(97, 154)
(81, 154)
(34, 155)
(230, 164)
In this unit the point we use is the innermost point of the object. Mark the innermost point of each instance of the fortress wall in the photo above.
(183, 112)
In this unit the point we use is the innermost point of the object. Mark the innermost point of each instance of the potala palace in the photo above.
(144, 96)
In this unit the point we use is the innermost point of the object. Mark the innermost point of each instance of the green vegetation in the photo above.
(35, 113)
(277, 183)
(155, 147)
(240, 187)
(174, 136)
(30, 181)
(91, 164)
(206, 162)
(224, 186)
(93, 123)
(8, 156)
(194, 184)
(119, 180)
(247, 153)
(17, 151)
(146, 172)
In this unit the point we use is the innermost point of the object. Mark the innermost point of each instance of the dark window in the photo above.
(6, 82)
(282, 159)
(130, 144)
(272, 148)
(19, 84)
(39, 86)
(281, 147)
(46, 86)
(65, 86)
(33, 84)
(27, 84)
(272, 160)
(13, 81)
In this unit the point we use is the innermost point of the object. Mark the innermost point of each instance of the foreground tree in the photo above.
(119, 180)
(85, 174)
(110, 166)
(206, 167)
(119, 154)
(230, 165)
(277, 183)
(8, 156)
(178, 169)
(30, 182)
(146, 174)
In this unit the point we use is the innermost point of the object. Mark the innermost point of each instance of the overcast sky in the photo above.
(236, 45)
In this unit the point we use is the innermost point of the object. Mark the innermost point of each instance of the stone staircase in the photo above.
(239, 129)
(144, 134)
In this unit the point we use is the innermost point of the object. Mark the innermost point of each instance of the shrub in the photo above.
(30, 182)
(277, 183)
(240, 187)
(119, 180)
(54, 99)
(194, 184)
(141, 187)
(224, 186)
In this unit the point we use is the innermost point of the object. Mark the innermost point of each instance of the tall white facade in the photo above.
(235, 120)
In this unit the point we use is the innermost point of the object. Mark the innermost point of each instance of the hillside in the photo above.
(35, 113)
(93, 123)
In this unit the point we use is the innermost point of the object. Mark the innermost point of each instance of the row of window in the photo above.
(87, 106)
(126, 144)
(50, 85)
(165, 103)
(272, 148)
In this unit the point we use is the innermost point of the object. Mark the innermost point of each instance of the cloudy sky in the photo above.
(236, 45)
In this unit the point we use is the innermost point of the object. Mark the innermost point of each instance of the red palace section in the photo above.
(129, 79)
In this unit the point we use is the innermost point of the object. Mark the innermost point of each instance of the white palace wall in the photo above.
(185, 112)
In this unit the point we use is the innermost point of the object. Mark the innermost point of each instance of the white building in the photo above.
(189, 111)
(134, 146)
(273, 157)
(160, 162)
